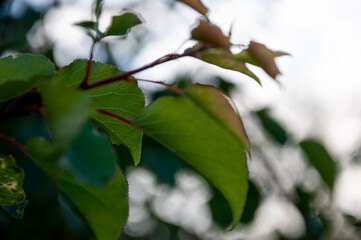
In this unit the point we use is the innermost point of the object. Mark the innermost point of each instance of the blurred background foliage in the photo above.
(291, 183)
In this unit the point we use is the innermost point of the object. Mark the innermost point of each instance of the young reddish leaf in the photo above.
(194, 129)
(209, 33)
(196, 5)
(265, 58)
(122, 24)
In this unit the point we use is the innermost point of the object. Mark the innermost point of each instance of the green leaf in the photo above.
(16, 211)
(320, 158)
(122, 24)
(122, 98)
(190, 128)
(274, 129)
(87, 24)
(21, 72)
(217, 105)
(196, 5)
(11, 181)
(91, 157)
(66, 111)
(225, 59)
(104, 208)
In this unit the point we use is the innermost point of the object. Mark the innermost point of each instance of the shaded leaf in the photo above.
(87, 25)
(21, 72)
(252, 203)
(16, 211)
(320, 158)
(66, 110)
(98, 7)
(122, 98)
(122, 24)
(275, 130)
(196, 134)
(11, 182)
(224, 59)
(209, 33)
(91, 157)
(196, 5)
(104, 208)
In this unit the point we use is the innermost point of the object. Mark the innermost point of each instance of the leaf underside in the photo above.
(202, 138)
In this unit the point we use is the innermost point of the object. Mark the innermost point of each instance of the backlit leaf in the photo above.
(196, 5)
(122, 98)
(320, 158)
(224, 59)
(122, 24)
(11, 181)
(203, 138)
(21, 72)
(209, 33)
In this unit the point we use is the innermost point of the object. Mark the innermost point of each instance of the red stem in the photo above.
(170, 87)
(126, 75)
(14, 100)
(14, 143)
(123, 119)
(89, 65)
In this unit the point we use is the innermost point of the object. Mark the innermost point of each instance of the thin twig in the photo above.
(36, 108)
(14, 100)
(13, 143)
(121, 118)
(126, 75)
(89, 65)
(170, 87)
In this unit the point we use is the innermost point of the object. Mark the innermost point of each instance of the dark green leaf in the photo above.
(272, 127)
(87, 25)
(122, 24)
(199, 135)
(252, 203)
(224, 59)
(122, 98)
(104, 208)
(16, 211)
(66, 110)
(98, 7)
(11, 182)
(319, 157)
(21, 72)
(91, 157)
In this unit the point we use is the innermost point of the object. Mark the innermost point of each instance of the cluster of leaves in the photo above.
(89, 106)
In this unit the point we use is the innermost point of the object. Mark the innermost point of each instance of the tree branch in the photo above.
(126, 75)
